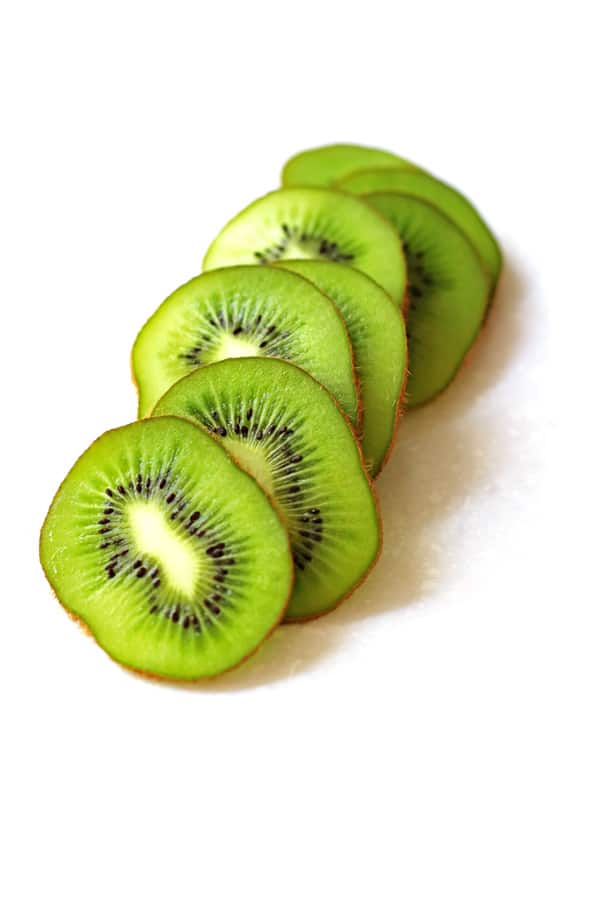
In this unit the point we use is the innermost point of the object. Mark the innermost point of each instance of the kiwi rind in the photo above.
(448, 292)
(333, 224)
(114, 610)
(446, 198)
(323, 166)
(378, 335)
(296, 321)
(316, 477)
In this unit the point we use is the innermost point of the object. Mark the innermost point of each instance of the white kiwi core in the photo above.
(155, 536)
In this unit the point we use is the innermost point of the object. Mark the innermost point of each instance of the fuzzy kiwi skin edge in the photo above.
(156, 676)
(401, 409)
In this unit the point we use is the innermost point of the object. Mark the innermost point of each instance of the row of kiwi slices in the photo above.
(270, 391)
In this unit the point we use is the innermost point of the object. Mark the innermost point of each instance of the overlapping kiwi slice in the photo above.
(447, 289)
(323, 166)
(313, 223)
(182, 540)
(244, 311)
(171, 555)
(444, 197)
(377, 332)
(286, 430)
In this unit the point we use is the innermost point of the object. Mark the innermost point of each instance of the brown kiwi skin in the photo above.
(156, 676)
(405, 305)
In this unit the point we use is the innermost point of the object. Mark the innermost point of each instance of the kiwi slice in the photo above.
(376, 330)
(244, 311)
(322, 166)
(313, 223)
(447, 290)
(287, 431)
(169, 553)
(446, 198)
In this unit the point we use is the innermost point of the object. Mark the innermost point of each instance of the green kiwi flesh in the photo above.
(447, 290)
(287, 431)
(244, 311)
(377, 332)
(322, 166)
(169, 553)
(446, 198)
(313, 223)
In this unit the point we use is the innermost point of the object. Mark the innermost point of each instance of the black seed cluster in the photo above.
(320, 247)
(419, 280)
(309, 533)
(270, 339)
(242, 426)
(285, 461)
(121, 561)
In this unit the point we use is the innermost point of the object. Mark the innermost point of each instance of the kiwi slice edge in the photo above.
(323, 166)
(245, 311)
(455, 205)
(312, 223)
(304, 454)
(163, 595)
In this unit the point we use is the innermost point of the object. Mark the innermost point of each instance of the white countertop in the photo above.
(436, 737)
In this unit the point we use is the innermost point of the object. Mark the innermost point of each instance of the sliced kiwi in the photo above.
(378, 337)
(287, 431)
(313, 223)
(244, 311)
(322, 166)
(446, 198)
(447, 290)
(170, 554)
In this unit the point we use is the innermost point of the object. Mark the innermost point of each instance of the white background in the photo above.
(437, 736)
